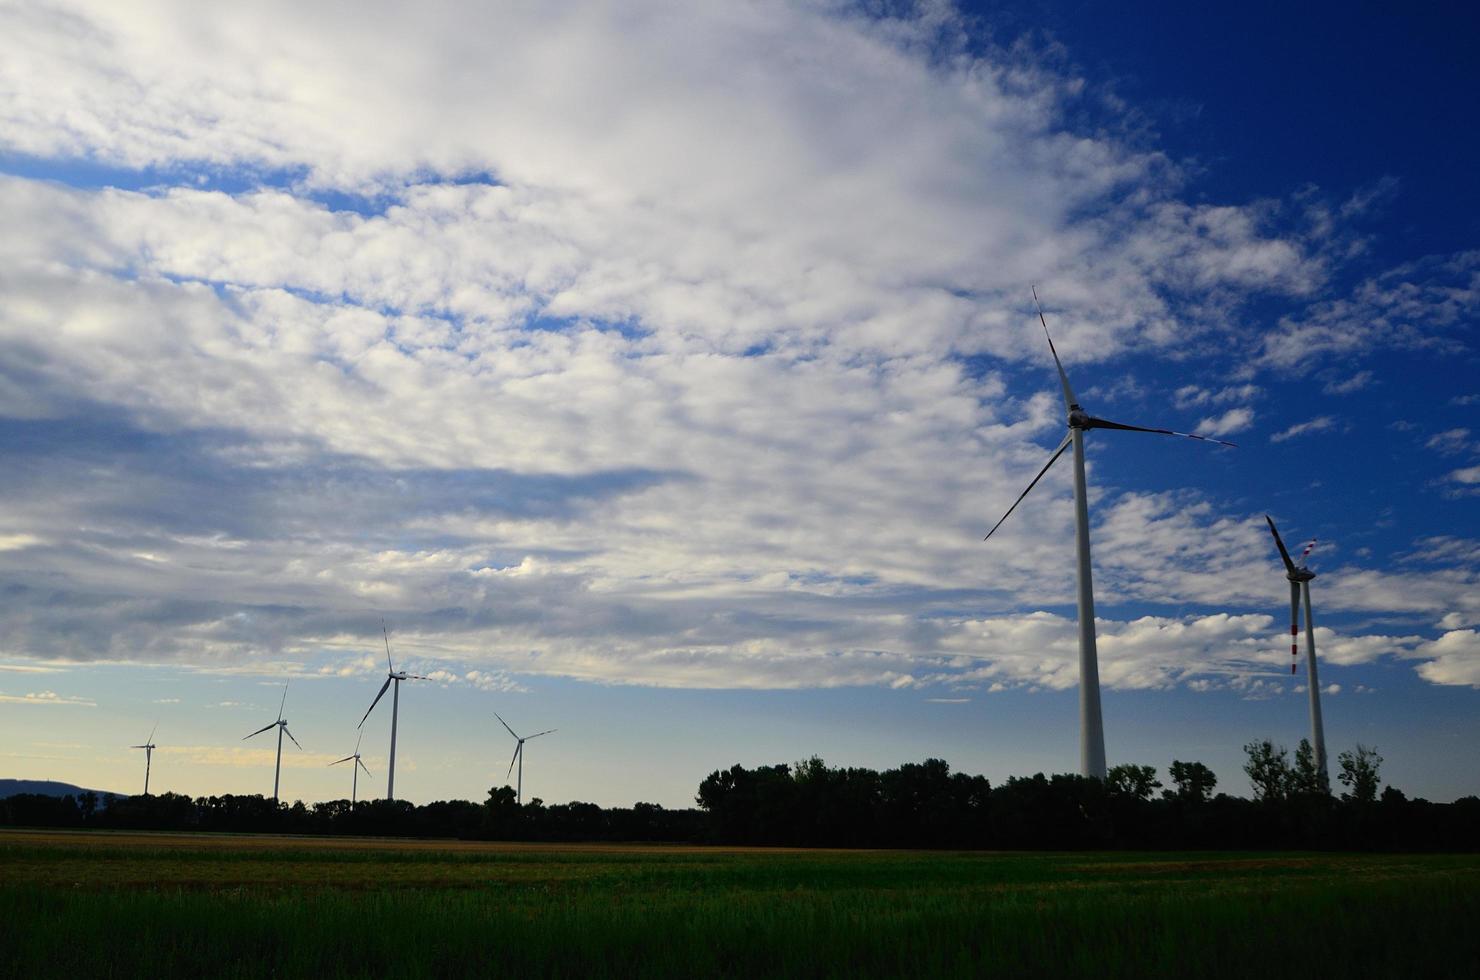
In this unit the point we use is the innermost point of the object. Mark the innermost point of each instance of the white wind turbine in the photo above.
(354, 787)
(282, 726)
(398, 676)
(1091, 726)
(519, 755)
(148, 748)
(1300, 576)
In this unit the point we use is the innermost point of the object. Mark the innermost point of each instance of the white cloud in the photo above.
(1453, 659)
(1356, 382)
(1419, 305)
(1231, 421)
(619, 412)
(1194, 396)
(1450, 442)
(1319, 424)
(48, 698)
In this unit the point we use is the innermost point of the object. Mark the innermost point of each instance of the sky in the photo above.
(654, 370)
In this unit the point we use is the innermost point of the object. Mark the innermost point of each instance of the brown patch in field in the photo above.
(1196, 867)
(276, 842)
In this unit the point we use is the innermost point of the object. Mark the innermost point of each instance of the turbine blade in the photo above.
(290, 736)
(1070, 402)
(1095, 423)
(513, 760)
(283, 701)
(417, 677)
(545, 732)
(1284, 555)
(376, 701)
(156, 724)
(145, 746)
(387, 635)
(1051, 460)
(345, 759)
(259, 731)
(364, 767)
(504, 723)
(357, 741)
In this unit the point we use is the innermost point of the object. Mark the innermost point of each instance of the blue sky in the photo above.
(655, 374)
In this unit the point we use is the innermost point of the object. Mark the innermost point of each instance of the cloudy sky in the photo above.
(654, 370)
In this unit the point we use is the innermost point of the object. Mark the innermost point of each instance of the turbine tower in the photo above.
(1091, 726)
(519, 756)
(354, 787)
(1300, 576)
(282, 726)
(148, 748)
(398, 676)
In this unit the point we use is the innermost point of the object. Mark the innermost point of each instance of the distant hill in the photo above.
(46, 787)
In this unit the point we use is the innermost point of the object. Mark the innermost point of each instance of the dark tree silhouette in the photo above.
(1128, 779)
(1192, 782)
(1306, 779)
(1269, 771)
(1359, 772)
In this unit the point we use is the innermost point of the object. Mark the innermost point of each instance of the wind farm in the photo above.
(674, 376)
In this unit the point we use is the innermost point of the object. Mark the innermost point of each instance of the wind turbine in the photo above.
(398, 676)
(354, 787)
(1300, 576)
(282, 726)
(519, 755)
(1091, 726)
(148, 748)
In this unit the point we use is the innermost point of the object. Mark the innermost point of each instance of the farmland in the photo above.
(124, 904)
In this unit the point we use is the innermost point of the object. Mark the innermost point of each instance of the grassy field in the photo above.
(101, 904)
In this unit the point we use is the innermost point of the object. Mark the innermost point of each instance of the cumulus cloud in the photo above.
(1319, 424)
(1231, 421)
(1195, 396)
(1450, 442)
(47, 698)
(1420, 305)
(1453, 659)
(693, 364)
(1346, 386)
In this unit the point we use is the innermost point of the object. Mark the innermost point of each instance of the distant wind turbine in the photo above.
(282, 726)
(398, 676)
(148, 748)
(519, 755)
(354, 787)
(1300, 576)
(1091, 726)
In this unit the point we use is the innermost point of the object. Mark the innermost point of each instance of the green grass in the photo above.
(176, 905)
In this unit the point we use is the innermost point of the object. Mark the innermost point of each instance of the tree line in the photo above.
(811, 804)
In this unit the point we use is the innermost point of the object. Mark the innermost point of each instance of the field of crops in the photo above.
(101, 904)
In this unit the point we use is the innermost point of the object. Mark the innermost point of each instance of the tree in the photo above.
(1192, 782)
(1359, 772)
(1269, 771)
(1305, 778)
(1132, 780)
